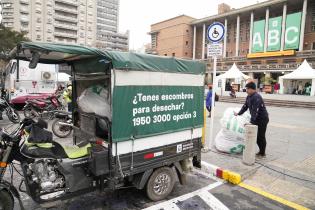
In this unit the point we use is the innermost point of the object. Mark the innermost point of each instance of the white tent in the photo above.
(233, 73)
(304, 73)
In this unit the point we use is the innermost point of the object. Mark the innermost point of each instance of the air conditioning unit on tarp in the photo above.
(46, 75)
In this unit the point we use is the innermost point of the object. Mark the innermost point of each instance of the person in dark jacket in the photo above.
(259, 115)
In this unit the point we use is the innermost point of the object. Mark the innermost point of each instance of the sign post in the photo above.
(215, 34)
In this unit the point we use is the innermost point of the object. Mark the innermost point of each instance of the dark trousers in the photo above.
(70, 107)
(261, 136)
(208, 108)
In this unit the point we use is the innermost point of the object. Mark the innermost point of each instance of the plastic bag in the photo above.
(235, 124)
(225, 141)
(95, 99)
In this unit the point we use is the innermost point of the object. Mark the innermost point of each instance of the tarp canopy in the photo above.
(93, 60)
(299, 77)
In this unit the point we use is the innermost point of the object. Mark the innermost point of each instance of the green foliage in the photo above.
(9, 39)
(268, 80)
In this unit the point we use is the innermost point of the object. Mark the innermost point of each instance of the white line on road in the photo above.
(172, 203)
(212, 201)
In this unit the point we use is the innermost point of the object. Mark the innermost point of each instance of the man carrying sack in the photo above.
(259, 115)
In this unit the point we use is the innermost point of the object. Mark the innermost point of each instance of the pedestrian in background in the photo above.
(67, 95)
(259, 115)
(209, 100)
(276, 87)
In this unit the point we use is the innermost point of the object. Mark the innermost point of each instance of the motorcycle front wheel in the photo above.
(6, 200)
(62, 131)
(13, 116)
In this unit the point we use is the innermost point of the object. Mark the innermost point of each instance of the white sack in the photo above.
(223, 142)
(95, 99)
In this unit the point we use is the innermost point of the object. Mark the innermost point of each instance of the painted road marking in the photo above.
(212, 201)
(273, 197)
(170, 203)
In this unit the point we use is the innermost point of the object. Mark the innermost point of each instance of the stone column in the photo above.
(284, 16)
(237, 36)
(303, 26)
(225, 36)
(266, 29)
(194, 43)
(251, 32)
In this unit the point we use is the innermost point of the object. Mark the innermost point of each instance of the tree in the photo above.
(9, 39)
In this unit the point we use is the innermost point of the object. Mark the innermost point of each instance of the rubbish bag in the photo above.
(95, 99)
(226, 141)
(235, 124)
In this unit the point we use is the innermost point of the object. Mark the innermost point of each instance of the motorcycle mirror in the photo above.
(34, 60)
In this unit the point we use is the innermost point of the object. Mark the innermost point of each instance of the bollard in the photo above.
(250, 144)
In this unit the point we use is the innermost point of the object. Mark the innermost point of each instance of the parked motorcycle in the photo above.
(62, 125)
(12, 114)
(51, 171)
(42, 108)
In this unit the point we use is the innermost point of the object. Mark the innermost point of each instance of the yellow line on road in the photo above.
(273, 197)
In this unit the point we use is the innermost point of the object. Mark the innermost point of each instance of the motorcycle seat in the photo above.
(54, 150)
(39, 103)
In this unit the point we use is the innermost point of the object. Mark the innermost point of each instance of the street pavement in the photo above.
(288, 170)
(202, 190)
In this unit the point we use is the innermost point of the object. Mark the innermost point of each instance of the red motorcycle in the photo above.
(43, 108)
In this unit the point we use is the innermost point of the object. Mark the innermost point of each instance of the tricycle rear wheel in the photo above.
(160, 184)
(6, 200)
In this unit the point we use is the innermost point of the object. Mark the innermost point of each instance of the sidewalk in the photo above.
(288, 171)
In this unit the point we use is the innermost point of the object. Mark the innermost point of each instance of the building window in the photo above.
(173, 54)
(165, 54)
(187, 31)
(313, 16)
(153, 41)
(313, 46)
(186, 54)
(186, 43)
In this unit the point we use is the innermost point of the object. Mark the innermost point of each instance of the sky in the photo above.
(137, 15)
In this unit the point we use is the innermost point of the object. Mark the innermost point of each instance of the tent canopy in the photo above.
(233, 73)
(304, 71)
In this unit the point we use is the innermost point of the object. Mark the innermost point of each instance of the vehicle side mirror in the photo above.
(34, 60)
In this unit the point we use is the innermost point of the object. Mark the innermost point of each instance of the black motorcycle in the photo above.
(62, 125)
(51, 171)
(12, 114)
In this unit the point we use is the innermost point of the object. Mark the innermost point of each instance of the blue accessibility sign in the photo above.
(215, 32)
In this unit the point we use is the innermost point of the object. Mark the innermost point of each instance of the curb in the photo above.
(229, 176)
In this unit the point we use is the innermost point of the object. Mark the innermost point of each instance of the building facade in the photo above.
(107, 36)
(265, 39)
(63, 21)
(172, 37)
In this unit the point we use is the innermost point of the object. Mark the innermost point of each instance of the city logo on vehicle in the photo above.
(291, 33)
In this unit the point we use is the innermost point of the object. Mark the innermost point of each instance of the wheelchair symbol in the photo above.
(215, 33)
